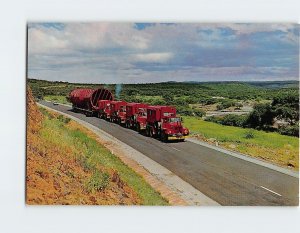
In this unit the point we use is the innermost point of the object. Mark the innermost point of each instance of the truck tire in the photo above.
(152, 134)
(164, 137)
(138, 128)
(147, 131)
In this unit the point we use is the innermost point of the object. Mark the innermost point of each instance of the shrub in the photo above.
(249, 134)
(261, 117)
(214, 119)
(199, 112)
(63, 119)
(234, 120)
(97, 182)
(225, 104)
(292, 130)
(187, 111)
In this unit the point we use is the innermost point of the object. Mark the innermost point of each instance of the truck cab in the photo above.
(163, 123)
(118, 111)
(103, 108)
(136, 116)
(172, 129)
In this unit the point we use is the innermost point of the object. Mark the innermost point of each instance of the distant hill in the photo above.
(276, 84)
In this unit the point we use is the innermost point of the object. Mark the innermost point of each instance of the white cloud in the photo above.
(113, 52)
(89, 36)
(152, 57)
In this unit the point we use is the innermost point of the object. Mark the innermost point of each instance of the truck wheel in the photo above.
(164, 137)
(138, 128)
(152, 135)
(148, 132)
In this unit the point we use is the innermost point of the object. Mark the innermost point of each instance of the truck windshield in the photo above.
(175, 119)
(142, 114)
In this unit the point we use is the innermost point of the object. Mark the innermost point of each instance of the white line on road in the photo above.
(271, 191)
(175, 148)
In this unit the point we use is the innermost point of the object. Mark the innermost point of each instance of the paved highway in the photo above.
(222, 177)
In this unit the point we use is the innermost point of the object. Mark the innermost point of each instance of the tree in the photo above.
(286, 106)
(168, 98)
(261, 117)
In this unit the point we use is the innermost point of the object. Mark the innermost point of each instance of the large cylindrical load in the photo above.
(88, 98)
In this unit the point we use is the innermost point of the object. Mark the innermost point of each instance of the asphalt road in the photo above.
(224, 178)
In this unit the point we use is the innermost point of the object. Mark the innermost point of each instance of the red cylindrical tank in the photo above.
(88, 98)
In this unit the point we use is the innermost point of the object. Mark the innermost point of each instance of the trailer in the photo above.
(136, 116)
(163, 123)
(86, 100)
(118, 111)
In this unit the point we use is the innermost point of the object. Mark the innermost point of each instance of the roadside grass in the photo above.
(280, 149)
(57, 98)
(91, 155)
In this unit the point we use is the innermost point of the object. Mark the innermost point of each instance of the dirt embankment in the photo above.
(55, 176)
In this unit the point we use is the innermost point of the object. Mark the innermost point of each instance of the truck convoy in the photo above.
(155, 121)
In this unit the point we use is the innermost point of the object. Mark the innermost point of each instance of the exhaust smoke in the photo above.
(118, 90)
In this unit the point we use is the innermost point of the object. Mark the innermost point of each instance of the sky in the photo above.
(159, 52)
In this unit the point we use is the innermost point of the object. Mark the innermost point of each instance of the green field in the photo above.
(59, 133)
(273, 147)
(57, 98)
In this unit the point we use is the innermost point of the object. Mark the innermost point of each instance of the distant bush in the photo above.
(158, 102)
(234, 120)
(214, 119)
(187, 111)
(238, 105)
(249, 134)
(230, 119)
(261, 117)
(207, 101)
(199, 112)
(225, 104)
(292, 130)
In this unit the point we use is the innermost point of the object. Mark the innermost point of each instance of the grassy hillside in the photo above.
(66, 165)
(273, 147)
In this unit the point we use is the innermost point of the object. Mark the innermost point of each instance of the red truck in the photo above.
(136, 116)
(163, 123)
(118, 111)
(104, 108)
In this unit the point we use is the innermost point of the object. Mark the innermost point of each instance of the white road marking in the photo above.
(175, 148)
(271, 191)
